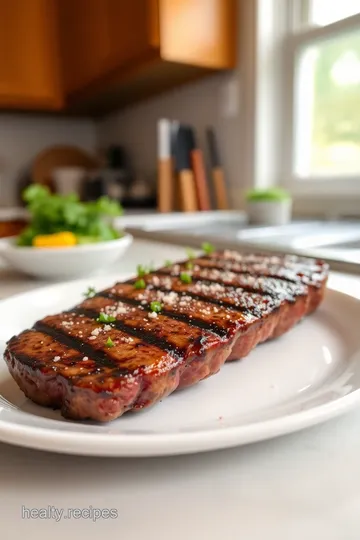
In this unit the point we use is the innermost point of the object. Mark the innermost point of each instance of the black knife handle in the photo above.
(213, 148)
(182, 150)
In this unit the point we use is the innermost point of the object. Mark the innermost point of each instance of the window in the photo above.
(321, 91)
(327, 116)
(323, 12)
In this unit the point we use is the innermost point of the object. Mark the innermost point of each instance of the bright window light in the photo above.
(327, 107)
(323, 12)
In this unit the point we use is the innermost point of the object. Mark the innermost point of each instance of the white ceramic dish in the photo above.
(280, 388)
(64, 262)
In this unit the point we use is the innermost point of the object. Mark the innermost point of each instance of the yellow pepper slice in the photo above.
(62, 239)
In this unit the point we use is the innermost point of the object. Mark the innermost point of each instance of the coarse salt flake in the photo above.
(96, 332)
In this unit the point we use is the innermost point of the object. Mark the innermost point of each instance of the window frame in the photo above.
(297, 38)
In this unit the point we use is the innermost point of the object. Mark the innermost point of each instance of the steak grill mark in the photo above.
(285, 267)
(103, 359)
(214, 264)
(144, 335)
(188, 319)
(72, 342)
(255, 310)
(284, 289)
(195, 296)
(249, 268)
(207, 281)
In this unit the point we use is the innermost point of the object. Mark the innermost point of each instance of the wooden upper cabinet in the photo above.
(125, 50)
(29, 69)
(99, 36)
(131, 30)
(92, 56)
(84, 41)
(198, 32)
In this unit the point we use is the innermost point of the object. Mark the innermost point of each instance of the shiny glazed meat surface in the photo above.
(128, 346)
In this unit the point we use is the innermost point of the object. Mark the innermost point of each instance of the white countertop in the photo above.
(301, 486)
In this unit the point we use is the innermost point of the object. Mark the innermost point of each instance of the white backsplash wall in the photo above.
(23, 136)
(210, 102)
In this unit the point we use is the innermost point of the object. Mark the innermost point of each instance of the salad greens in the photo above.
(58, 213)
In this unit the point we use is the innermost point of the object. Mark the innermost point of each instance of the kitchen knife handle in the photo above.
(220, 188)
(165, 185)
(197, 163)
(187, 191)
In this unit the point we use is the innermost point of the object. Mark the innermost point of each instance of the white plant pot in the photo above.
(269, 212)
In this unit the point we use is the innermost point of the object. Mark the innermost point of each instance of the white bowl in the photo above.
(63, 262)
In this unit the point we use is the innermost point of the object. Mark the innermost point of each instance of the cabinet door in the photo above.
(133, 30)
(28, 54)
(199, 32)
(85, 41)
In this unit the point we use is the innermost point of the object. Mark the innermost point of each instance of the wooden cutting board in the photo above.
(60, 156)
(12, 227)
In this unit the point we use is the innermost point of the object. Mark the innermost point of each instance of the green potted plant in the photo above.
(268, 206)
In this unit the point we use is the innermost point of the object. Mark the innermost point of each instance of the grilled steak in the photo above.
(117, 352)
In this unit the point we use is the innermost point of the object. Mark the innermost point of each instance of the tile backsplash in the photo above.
(204, 103)
(211, 102)
(23, 136)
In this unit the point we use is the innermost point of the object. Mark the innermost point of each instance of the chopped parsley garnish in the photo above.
(105, 318)
(207, 248)
(190, 253)
(156, 306)
(90, 292)
(140, 284)
(168, 263)
(141, 270)
(185, 277)
(144, 270)
(189, 265)
(109, 342)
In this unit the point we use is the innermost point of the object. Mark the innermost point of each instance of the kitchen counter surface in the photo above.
(299, 486)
